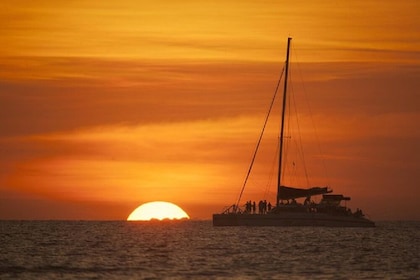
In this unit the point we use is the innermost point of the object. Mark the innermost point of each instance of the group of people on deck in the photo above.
(263, 207)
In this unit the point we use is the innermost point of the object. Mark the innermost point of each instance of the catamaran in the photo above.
(329, 212)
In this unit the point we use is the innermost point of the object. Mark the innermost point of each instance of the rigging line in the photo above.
(313, 122)
(300, 150)
(259, 140)
(272, 172)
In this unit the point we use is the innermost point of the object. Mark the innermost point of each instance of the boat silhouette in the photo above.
(329, 212)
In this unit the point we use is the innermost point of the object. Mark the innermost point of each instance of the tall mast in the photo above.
(282, 121)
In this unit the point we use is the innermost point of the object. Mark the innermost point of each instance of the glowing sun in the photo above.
(157, 210)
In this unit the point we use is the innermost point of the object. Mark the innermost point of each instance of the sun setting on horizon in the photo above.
(158, 210)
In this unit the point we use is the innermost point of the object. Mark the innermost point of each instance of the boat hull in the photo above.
(290, 219)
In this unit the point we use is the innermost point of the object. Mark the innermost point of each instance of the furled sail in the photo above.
(292, 193)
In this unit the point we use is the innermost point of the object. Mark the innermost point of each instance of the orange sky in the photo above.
(107, 105)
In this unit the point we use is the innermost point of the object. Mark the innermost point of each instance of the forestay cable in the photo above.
(259, 141)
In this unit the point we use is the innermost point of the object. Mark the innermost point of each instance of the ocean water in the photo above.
(197, 250)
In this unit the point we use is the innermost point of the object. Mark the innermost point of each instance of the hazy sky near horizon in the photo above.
(107, 105)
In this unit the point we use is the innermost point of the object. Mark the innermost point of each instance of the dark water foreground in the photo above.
(197, 250)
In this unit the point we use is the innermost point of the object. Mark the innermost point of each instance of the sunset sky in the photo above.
(105, 105)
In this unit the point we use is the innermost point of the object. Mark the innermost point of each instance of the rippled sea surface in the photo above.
(197, 250)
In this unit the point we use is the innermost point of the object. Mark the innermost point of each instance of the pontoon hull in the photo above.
(290, 219)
